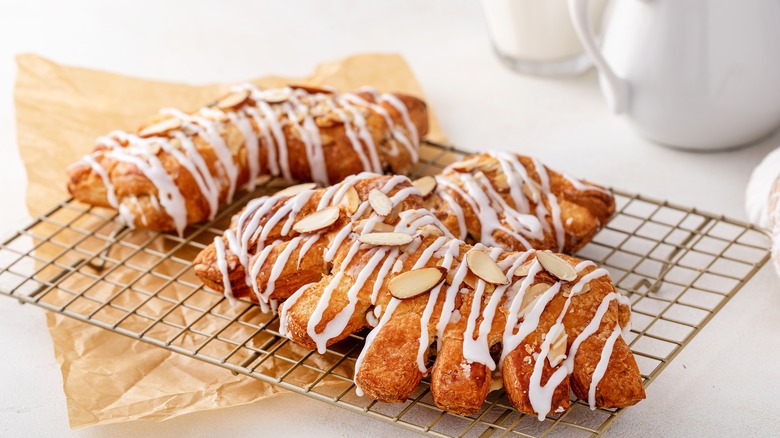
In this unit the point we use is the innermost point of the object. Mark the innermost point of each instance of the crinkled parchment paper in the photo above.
(60, 111)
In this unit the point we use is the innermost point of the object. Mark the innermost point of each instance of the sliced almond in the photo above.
(378, 227)
(484, 267)
(532, 293)
(317, 220)
(425, 185)
(160, 127)
(466, 165)
(500, 182)
(386, 239)
(311, 89)
(381, 204)
(416, 282)
(298, 188)
(276, 95)
(488, 165)
(557, 352)
(530, 191)
(325, 122)
(556, 266)
(524, 269)
(571, 293)
(233, 100)
(351, 200)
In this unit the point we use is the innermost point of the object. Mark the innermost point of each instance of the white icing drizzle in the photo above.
(518, 219)
(269, 122)
(601, 368)
(223, 268)
(377, 262)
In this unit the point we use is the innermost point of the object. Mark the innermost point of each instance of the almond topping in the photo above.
(466, 165)
(381, 204)
(317, 220)
(556, 266)
(500, 182)
(233, 100)
(530, 191)
(529, 298)
(571, 293)
(557, 352)
(311, 89)
(298, 188)
(276, 95)
(379, 227)
(524, 269)
(387, 239)
(351, 200)
(425, 185)
(484, 267)
(160, 127)
(419, 281)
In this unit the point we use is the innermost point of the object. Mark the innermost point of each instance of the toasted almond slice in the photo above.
(378, 227)
(351, 200)
(276, 95)
(381, 204)
(387, 239)
(556, 266)
(500, 182)
(425, 185)
(488, 165)
(466, 165)
(571, 293)
(530, 191)
(160, 127)
(416, 282)
(298, 188)
(317, 220)
(484, 267)
(557, 352)
(531, 295)
(524, 269)
(311, 89)
(233, 100)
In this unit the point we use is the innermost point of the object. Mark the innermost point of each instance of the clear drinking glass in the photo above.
(537, 37)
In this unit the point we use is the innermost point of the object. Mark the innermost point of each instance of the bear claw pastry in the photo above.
(179, 169)
(517, 316)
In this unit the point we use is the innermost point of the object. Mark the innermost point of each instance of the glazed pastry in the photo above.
(515, 202)
(366, 253)
(179, 169)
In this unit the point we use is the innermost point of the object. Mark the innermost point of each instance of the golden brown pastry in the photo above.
(180, 168)
(366, 253)
(515, 202)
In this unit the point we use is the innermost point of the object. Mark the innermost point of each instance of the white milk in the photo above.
(538, 32)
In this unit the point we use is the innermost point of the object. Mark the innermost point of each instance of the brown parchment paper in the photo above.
(60, 110)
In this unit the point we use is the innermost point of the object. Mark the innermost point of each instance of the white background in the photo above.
(726, 382)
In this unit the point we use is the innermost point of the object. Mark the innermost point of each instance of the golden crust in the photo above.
(584, 208)
(138, 197)
(342, 301)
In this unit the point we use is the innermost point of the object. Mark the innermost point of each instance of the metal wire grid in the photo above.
(679, 266)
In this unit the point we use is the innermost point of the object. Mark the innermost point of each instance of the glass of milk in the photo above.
(536, 37)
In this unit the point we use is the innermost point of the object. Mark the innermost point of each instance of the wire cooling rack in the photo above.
(679, 267)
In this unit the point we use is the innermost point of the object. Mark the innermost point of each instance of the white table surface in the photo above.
(726, 382)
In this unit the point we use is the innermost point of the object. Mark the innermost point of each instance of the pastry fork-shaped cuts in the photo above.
(181, 168)
(544, 335)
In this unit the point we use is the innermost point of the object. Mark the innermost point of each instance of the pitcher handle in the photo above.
(616, 90)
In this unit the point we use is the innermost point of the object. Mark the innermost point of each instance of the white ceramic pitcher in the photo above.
(694, 74)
